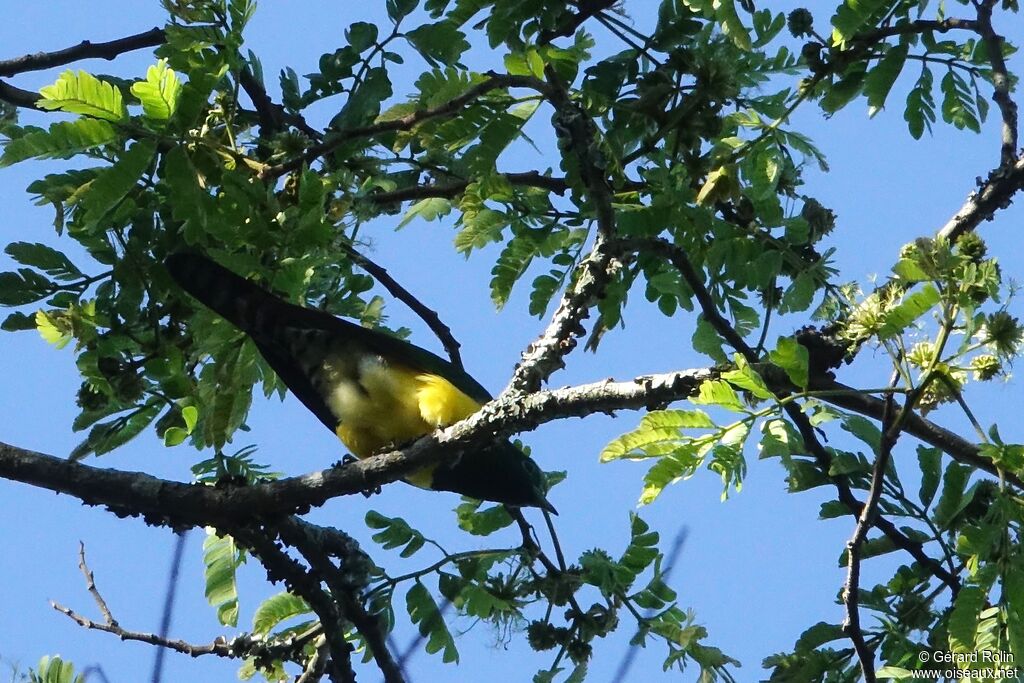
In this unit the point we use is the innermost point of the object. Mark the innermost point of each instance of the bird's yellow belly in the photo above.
(382, 404)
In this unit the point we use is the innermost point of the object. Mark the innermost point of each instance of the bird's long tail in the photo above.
(245, 304)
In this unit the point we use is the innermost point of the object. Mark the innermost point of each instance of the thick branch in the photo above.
(994, 194)
(579, 134)
(545, 355)
(281, 567)
(26, 99)
(1001, 81)
(339, 580)
(178, 504)
(919, 26)
(84, 50)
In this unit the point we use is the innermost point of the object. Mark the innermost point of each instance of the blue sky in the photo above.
(756, 569)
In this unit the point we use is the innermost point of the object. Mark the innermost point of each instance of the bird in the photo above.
(370, 388)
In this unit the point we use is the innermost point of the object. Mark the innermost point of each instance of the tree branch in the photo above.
(281, 567)
(345, 593)
(84, 50)
(177, 504)
(427, 315)
(494, 81)
(994, 193)
(25, 99)
(569, 24)
(1001, 81)
(450, 189)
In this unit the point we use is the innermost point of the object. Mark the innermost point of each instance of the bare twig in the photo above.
(219, 647)
(90, 585)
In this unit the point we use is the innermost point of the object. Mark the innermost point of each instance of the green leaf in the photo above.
(512, 262)
(1013, 597)
(642, 549)
(78, 92)
(963, 620)
(442, 42)
(745, 377)
(361, 35)
(64, 139)
(864, 429)
(222, 558)
(681, 463)
(429, 209)
(541, 293)
(792, 357)
(482, 522)
(113, 184)
(106, 436)
(851, 16)
(930, 460)
(958, 103)
(880, 80)
(24, 287)
(395, 533)
(843, 91)
(729, 20)
(54, 670)
(715, 392)
(818, 635)
(479, 229)
(656, 430)
(920, 110)
(17, 321)
(423, 612)
(276, 609)
(899, 318)
(46, 259)
(779, 439)
(159, 92)
(951, 502)
(705, 340)
(896, 672)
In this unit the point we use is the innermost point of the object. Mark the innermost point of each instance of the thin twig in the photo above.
(427, 315)
(90, 585)
(169, 596)
(851, 591)
(494, 81)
